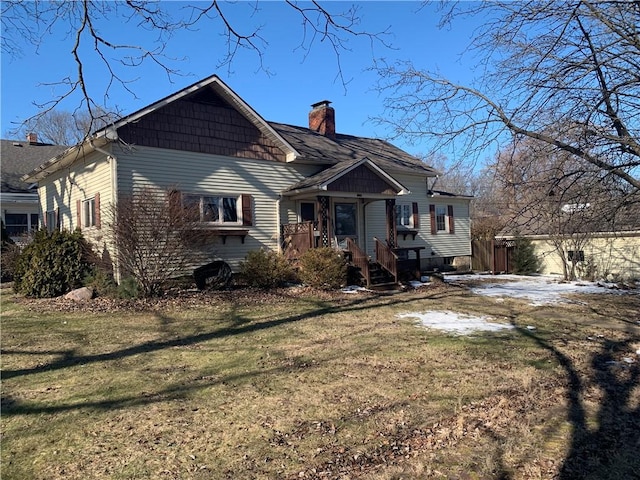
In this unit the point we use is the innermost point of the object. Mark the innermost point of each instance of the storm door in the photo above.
(346, 222)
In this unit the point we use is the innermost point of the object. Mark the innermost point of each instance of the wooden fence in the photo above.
(492, 255)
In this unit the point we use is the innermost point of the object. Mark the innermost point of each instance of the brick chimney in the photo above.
(322, 119)
(32, 137)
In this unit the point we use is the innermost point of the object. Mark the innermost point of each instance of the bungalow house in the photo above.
(18, 199)
(261, 184)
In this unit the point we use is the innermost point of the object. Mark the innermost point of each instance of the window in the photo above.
(403, 216)
(18, 224)
(89, 212)
(308, 212)
(441, 216)
(218, 209)
(441, 219)
(51, 220)
(576, 256)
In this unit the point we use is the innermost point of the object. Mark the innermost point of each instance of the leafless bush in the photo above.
(154, 236)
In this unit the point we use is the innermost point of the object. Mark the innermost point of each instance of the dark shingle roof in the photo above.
(318, 149)
(18, 158)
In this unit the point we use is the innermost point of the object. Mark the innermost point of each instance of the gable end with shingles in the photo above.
(202, 122)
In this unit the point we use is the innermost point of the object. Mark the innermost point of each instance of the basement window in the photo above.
(576, 255)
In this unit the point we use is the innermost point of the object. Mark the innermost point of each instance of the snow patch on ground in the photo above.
(458, 323)
(354, 289)
(539, 290)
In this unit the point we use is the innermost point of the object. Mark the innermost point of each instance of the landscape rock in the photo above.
(215, 276)
(80, 294)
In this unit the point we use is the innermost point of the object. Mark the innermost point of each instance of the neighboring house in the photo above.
(599, 250)
(261, 184)
(18, 199)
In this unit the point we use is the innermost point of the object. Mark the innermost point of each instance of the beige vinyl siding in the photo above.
(83, 180)
(207, 174)
(609, 254)
(443, 244)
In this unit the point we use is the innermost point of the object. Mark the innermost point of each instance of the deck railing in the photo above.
(359, 259)
(386, 258)
(297, 238)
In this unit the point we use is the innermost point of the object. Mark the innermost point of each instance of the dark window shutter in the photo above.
(247, 211)
(175, 203)
(57, 217)
(79, 213)
(97, 209)
(416, 216)
(432, 214)
(452, 228)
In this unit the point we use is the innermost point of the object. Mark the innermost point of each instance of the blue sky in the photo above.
(299, 78)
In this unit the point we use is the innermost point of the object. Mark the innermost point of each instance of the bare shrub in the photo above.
(154, 235)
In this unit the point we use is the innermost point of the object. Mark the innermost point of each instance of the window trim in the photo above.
(404, 211)
(243, 208)
(442, 219)
(26, 228)
(52, 220)
(89, 212)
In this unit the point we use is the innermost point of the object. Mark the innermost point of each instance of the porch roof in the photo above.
(326, 181)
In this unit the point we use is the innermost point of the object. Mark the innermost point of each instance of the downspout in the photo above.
(113, 162)
(278, 228)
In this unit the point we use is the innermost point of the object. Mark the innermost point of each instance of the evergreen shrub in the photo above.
(324, 268)
(266, 269)
(525, 261)
(53, 264)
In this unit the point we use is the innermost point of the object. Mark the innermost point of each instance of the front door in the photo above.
(346, 221)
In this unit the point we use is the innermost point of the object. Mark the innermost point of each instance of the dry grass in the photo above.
(291, 385)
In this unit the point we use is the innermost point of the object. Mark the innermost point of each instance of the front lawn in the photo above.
(294, 384)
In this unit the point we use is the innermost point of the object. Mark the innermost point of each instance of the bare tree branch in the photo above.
(563, 73)
(36, 22)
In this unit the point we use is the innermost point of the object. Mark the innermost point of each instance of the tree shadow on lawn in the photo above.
(240, 325)
(609, 450)
(68, 358)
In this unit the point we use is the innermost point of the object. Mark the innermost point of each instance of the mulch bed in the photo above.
(184, 299)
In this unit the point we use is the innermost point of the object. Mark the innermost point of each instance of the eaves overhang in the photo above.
(65, 159)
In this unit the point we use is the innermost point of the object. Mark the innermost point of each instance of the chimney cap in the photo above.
(322, 103)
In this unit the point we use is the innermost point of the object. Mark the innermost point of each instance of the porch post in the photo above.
(391, 222)
(323, 218)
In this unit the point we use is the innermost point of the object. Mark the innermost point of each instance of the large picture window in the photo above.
(213, 208)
